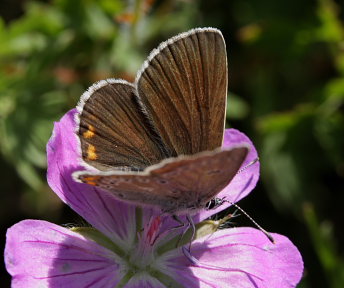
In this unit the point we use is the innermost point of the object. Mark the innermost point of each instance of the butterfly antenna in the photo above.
(248, 165)
(267, 234)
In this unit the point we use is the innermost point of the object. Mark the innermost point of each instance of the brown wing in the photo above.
(113, 131)
(182, 87)
(177, 185)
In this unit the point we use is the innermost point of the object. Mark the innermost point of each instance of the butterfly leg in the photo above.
(181, 224)
(193, 228)
(177, 219)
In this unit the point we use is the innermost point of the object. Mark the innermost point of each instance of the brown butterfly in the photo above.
(156, 142)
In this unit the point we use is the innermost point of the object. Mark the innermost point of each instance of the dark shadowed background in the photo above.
(286, 92)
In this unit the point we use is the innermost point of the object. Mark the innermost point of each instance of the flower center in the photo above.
(150, 256)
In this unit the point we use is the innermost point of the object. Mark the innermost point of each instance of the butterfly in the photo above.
(157, 142)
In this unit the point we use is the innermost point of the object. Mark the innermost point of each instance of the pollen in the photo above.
(91, 153)
(89, 133)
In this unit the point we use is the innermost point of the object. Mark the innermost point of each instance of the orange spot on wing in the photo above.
(90, 183)
(91, 153)
(91, 180)
(89, 133)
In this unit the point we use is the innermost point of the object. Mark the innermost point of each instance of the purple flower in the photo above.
(132, 247)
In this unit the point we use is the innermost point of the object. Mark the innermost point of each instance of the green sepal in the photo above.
(93, 234)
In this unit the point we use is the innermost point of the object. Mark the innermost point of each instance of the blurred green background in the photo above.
(286, 92)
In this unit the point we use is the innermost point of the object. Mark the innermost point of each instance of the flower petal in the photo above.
(244, 182)
(42, 254)
(102, 211)
(144, 281)
(241, 257)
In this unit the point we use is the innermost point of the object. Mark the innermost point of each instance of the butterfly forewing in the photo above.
(182, 87)
(175, 185)
(113, 132)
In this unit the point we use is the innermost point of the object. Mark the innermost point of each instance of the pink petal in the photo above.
(114, 218)
(42, 254)
(241, 257)
(245, 181)
(143, 281)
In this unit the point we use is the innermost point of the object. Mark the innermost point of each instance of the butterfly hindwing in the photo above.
(175, 185)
